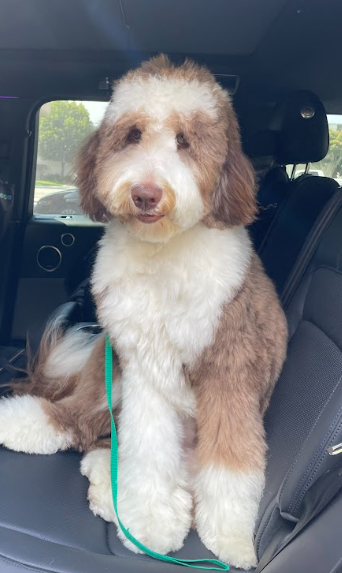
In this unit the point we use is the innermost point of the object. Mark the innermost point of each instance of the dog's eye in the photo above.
(134, 135)
(181, 141)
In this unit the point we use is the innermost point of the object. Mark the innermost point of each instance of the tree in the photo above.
(334, 157)
(62, 131)
(332, 163)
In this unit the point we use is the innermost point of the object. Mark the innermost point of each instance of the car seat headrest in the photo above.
(301, 127)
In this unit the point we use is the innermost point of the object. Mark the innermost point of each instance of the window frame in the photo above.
(33, 157)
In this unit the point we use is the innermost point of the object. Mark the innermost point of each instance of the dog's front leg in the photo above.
(153, 501)
(230, 481)
(152, 498)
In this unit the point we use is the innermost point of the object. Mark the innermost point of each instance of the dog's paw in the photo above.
(96, 467)
(101, 502)
(25, 427)
(159, 520)
(226, 509)
(235, 549)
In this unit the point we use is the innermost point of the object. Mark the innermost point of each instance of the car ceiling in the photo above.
(64, 48)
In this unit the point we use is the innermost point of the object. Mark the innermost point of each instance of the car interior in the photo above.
(279, 60)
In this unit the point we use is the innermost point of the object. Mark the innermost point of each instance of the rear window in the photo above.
(331, 165)
(63, 126)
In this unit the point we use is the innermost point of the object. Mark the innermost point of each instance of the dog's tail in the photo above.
(53, 372)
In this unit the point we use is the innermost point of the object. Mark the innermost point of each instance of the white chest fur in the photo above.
(161, 303)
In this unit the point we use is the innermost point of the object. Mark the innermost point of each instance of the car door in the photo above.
(49, 242)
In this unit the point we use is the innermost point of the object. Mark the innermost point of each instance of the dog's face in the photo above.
(167, 155)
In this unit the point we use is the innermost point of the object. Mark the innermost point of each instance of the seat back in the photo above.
(305, 413)
(289, 208)
(304, 202)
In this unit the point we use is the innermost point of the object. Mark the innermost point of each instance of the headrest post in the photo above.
(293, 172)
(306, 170)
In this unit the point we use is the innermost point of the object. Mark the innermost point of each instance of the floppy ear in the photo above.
(87, 180)
(234, 200)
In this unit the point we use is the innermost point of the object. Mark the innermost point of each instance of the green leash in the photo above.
(194, 563)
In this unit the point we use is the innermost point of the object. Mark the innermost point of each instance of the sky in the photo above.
(96, 110)
(335, 119)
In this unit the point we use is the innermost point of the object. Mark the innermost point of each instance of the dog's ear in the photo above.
(234, 200)
(86, 179)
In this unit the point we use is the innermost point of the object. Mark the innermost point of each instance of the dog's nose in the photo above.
(146, 196)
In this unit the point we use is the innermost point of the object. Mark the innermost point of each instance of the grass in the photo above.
(52, 183)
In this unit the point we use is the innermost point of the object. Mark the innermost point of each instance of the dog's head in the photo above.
(167, 155)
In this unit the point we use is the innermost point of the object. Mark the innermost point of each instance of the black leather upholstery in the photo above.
(317, 549)
(305, 415)
(45, 521)
(303, 203)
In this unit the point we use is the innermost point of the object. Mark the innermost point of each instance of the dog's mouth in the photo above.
(148, 218)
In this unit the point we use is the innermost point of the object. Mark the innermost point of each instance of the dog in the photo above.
(198, 334)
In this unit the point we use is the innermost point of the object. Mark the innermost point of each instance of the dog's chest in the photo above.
(169, 312)
(164, 303)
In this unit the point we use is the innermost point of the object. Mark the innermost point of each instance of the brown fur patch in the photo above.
(234, 199)
(206, 152)
(234, 378)
(86, 179)
(84, 412)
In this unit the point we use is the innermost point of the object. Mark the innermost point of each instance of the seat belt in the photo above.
(316, 499)
(321, 224)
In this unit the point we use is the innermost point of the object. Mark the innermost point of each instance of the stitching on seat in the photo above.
(36, 535)
(25, 532)
(27, 567)
(314, 461)
(38, 569)
(310, 480)
(304, 443)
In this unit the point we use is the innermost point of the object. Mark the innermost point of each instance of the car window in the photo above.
(331, 165)
(63, 126)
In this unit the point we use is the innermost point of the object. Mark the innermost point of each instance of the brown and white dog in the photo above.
(197, 329)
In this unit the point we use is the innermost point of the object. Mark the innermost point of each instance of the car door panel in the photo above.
(55, 259)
